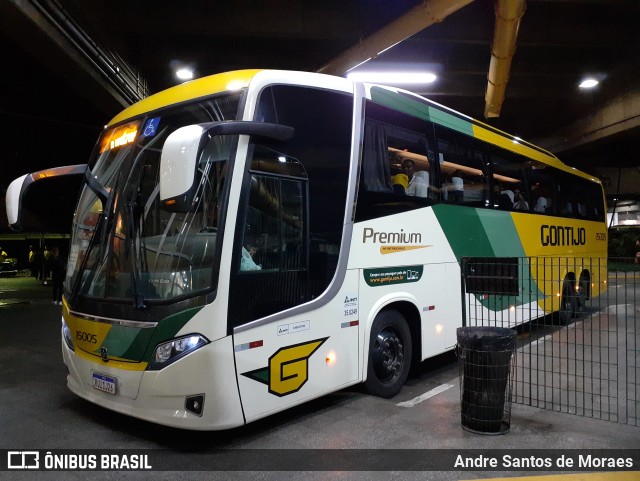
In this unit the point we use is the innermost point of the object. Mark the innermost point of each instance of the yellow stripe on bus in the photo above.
(202, 87)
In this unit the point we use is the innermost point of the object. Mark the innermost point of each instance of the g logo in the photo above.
(288, 368)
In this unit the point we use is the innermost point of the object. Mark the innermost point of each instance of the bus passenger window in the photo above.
(508, 172)
(462, 169)
(396, 169)
(542, 187)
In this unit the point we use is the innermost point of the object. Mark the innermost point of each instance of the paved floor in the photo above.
(37, 412)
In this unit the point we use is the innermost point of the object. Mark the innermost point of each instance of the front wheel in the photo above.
(389, 354)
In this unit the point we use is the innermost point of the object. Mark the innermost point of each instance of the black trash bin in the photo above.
(484, 361)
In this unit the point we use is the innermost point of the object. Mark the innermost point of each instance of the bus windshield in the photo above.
(124, 245)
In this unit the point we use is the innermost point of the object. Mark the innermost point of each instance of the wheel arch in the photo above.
(409, 310)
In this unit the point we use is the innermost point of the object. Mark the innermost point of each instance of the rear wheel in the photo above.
(582, 294)
(568, 306)
(389, 354)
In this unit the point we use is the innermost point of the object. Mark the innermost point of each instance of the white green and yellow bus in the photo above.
(252, 240)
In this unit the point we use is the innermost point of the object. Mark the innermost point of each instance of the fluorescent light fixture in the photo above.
(184, 74)
(588, 83)
(393, 78)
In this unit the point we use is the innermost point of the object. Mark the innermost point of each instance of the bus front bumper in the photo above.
(203, 381)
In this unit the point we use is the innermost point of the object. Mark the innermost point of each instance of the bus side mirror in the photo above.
(17, 190)
(178, 163)
(182, 150)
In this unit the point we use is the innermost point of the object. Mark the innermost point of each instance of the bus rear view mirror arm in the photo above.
(182, 150)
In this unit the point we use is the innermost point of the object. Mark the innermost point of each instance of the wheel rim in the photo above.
(388, 355)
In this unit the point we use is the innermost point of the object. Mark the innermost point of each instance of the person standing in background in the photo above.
(46, 253)
(32, 262)
(57, 268)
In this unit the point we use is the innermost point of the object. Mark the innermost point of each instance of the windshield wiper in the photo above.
(130, 248)
(106, 199)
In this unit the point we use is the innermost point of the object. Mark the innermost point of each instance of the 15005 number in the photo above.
(86, 337)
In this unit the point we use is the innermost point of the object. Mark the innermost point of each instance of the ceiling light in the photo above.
(184, 74)
(588, 83)
(393, 78)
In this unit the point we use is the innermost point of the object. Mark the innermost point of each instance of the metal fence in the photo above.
(577, 321)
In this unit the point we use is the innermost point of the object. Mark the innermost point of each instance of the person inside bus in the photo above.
(455, 189)
(417, 186)
(541, 205)
(519, 202)
(246, 261)
(505, 199)
(399, 183)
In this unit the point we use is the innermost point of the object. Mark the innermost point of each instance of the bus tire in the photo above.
(389, 354)
(567, 303)
(579, 302)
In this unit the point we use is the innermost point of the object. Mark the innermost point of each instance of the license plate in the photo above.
(104, 383)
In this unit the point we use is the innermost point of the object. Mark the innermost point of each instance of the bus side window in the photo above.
(542, 187)
(396, 168)
(273, 234)
(508, 172)
(462, 169)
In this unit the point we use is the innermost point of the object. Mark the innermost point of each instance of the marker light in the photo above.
(438, 328)
(331, 357)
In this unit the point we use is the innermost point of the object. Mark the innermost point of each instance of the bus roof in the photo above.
(202, 87)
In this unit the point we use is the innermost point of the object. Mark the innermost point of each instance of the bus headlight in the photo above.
(66, 335)
(170, 351)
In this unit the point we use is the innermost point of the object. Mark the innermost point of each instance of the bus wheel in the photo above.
(568, 303)
(579, 302)
(389, 354)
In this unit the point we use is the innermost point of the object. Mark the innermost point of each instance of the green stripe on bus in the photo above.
(479, 232)
(127, 342)
(420, 109)
(464, 230)
(502, 233)
(487, 233)
(137, 344)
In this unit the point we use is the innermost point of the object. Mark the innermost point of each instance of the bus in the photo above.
(252, 240)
